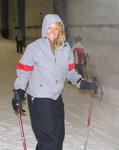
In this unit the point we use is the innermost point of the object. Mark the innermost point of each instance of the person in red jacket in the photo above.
(80, 56)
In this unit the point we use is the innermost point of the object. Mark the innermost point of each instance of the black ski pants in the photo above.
(80, 69)
(47, 120)
(19, 46)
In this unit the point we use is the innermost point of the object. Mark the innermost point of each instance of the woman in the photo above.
(43, 68)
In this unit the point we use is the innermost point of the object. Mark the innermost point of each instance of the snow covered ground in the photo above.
(104, 129)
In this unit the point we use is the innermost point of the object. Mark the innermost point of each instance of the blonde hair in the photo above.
(61, 38)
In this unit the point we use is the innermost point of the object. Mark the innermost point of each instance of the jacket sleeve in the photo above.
(72, 75)
(24, 68)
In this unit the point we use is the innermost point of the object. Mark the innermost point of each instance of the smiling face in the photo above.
(53, 32)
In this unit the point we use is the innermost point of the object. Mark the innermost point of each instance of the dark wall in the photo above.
(60, 8)
(4, 19)
(21, 16)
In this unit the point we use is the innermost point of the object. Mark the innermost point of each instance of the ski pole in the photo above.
(22, 130)
(89, 119)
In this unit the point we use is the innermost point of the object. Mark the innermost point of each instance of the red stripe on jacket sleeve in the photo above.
(71, 67)
(24, 67)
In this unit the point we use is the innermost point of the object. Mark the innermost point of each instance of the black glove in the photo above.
(84, 84)
(17, 100)
(89, 85)
(93, 87)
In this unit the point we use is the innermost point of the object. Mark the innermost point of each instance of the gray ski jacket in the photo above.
(42, 73)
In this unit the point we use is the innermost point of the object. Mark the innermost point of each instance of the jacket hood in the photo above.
(47, 21)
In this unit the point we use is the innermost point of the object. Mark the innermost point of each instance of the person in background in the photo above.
(80, 56)
(19, 41)
(41, 72)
